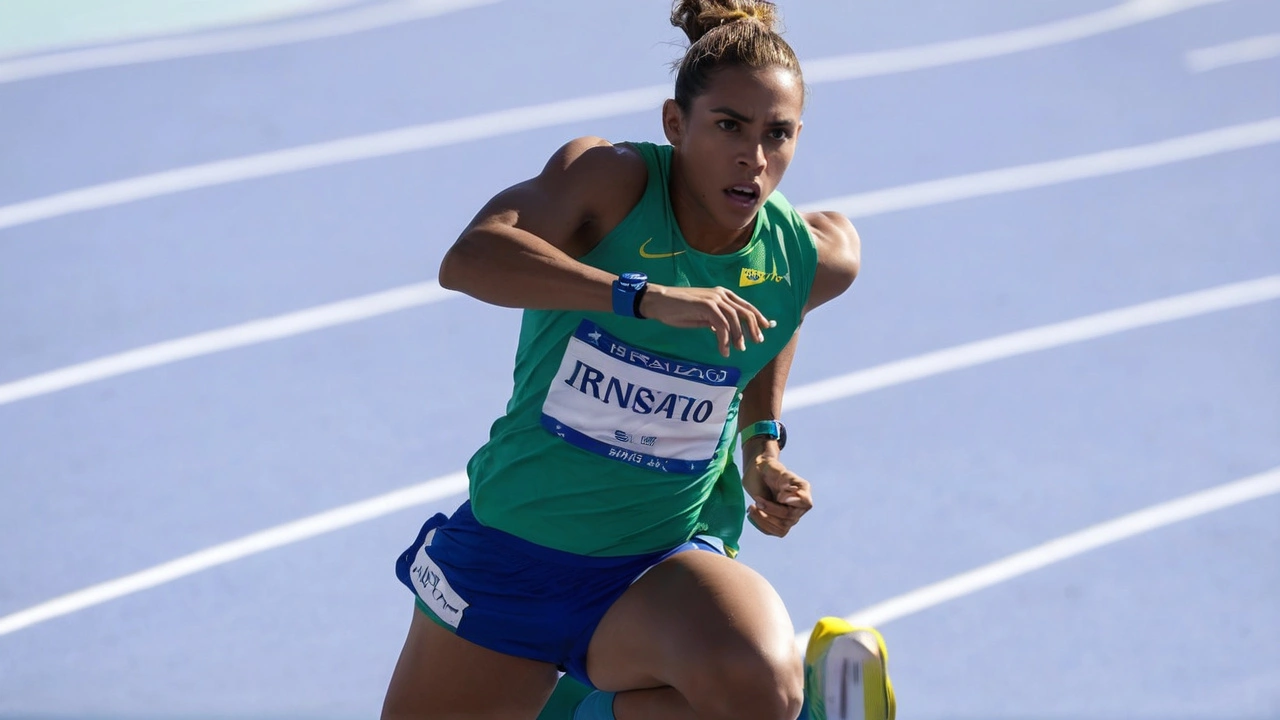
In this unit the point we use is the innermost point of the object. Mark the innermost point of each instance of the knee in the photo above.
(760, 685)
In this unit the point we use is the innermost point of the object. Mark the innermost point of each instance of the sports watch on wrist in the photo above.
(627, 291)
(770, 428)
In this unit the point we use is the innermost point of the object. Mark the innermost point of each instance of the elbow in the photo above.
(852, 253)
(454, 267)
(448, 274)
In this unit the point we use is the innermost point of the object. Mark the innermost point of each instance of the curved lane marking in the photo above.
(1080, 167)
(214, 43)
(1045, 337)
(228, 338)
(862, 205)
(1005, 43)
(278, 536)
(505, 122)
(1187, 507)
(1254, 49)
(1109, 323)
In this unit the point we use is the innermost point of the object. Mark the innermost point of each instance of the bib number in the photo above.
(636, 406)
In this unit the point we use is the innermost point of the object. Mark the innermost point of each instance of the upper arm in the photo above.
(839, 255)
(585, 189)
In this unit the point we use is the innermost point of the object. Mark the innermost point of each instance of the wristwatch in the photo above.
(627, 291)
(771, 428)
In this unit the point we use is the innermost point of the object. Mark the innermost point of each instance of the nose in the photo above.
(752, 157)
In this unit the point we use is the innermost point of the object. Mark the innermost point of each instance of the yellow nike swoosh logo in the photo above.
(656, 256)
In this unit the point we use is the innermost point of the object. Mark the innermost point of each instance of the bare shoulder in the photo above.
(589, 153)
(839, 255)
(593, 168)
(585, 189)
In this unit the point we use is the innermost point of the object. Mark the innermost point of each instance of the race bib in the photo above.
(636, 406)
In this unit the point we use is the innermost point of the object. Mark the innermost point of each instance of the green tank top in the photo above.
(620, 432)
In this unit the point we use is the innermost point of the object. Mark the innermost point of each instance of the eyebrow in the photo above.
(725, 110)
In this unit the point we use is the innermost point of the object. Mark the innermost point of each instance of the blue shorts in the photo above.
(512, 596)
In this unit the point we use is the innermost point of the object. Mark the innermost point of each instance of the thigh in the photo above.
(694, 616)
(440, 675)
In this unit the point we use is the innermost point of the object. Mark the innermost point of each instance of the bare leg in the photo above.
(699, 636)
(665, 702)
(440, 675)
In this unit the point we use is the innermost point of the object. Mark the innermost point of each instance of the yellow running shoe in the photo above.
(846, 674)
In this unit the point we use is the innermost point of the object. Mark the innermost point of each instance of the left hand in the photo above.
(781, 496)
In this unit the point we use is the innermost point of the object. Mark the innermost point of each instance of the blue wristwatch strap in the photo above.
(772, 428)
(627, 291)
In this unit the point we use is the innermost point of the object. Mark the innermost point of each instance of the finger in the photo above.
(733, 316)
(792, 507)
(748, 315)
(780, 511)
(721, 326)
(744, 316)
(765, 523)
(760, 320)
(790, 489)
(762, 524)
(794, 496)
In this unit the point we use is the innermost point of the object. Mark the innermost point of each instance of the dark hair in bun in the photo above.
(727, 33)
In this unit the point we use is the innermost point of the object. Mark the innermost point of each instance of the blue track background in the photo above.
(915, 483)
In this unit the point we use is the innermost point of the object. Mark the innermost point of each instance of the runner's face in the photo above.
(736, 141)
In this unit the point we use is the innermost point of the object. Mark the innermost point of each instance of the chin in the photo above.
(741, 219)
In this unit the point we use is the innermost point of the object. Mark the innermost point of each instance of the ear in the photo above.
(672, 122)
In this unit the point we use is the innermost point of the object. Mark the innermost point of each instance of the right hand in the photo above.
(781, 496)
(730, 317)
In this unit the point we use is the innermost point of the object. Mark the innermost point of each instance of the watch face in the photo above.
(634, 280)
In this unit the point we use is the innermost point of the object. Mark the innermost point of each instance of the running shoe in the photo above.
(846, 674)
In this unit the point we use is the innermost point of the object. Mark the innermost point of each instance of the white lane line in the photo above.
(862, 205)
(455, 483)
(258, 542)
(988, 46)
(176, 28)
(362, 147)
(250, 333)
(1179, 307)
(333, 25)
(1190, 506)
(504, 122)
(1080, 167)
(1263, 47)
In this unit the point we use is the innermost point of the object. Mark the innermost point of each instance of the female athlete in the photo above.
(663, 287)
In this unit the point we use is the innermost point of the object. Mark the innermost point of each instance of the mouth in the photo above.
(743, 195)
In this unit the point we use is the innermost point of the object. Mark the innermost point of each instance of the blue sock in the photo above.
(596, 706)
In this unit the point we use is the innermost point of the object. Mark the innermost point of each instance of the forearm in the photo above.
(513, 268)
(762, 400)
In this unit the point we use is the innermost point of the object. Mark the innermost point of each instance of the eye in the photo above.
(780, 134)
(726, 124)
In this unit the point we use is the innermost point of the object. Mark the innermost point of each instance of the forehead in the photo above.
(774, 92)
